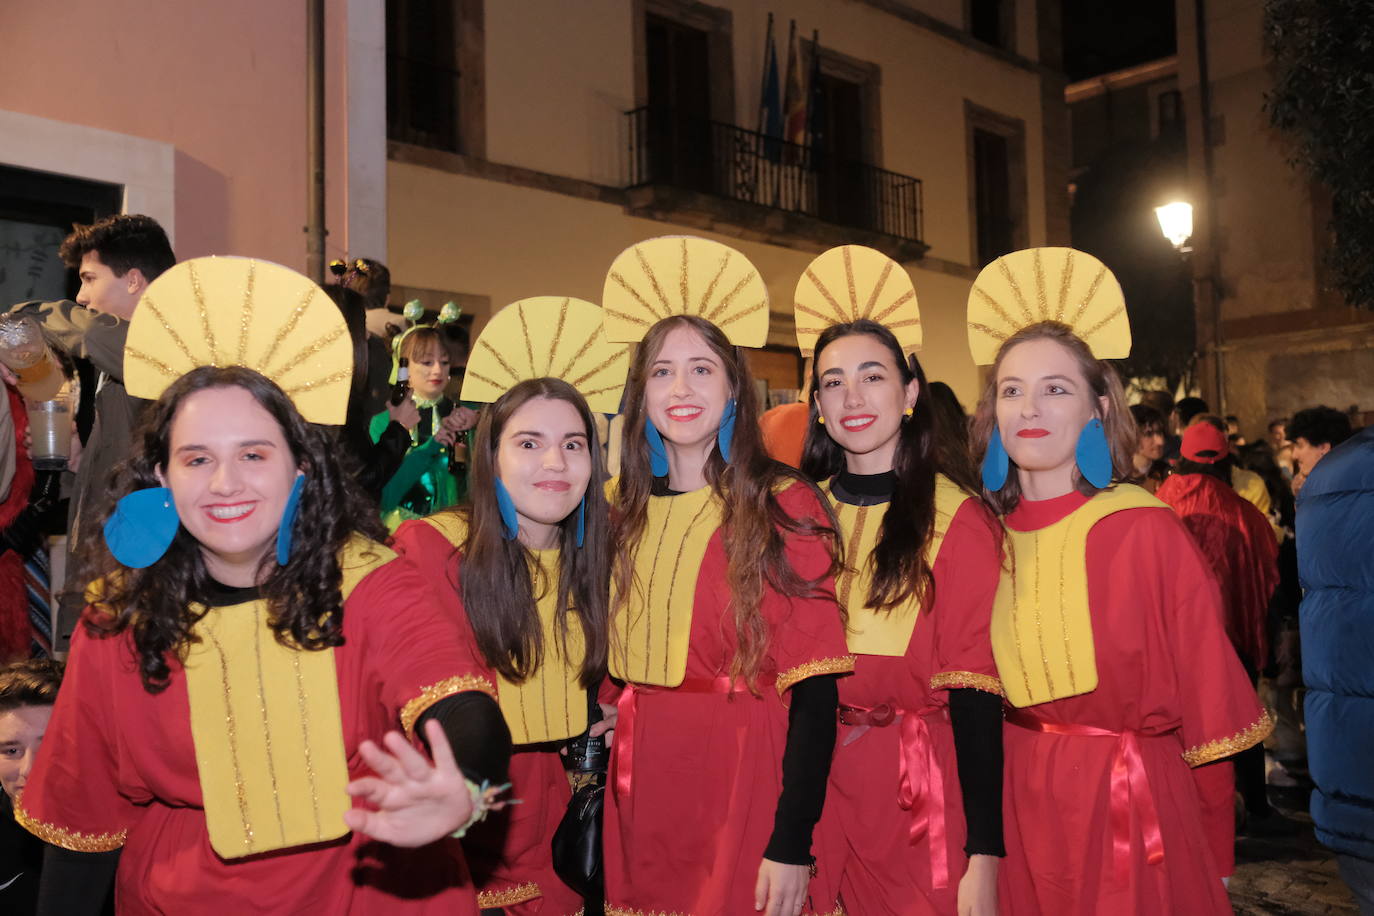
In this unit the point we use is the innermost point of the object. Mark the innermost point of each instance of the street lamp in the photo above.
(1176, 222)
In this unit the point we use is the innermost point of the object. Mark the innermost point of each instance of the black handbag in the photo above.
(577, 841)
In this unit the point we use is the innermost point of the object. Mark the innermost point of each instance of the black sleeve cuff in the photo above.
(476, 731)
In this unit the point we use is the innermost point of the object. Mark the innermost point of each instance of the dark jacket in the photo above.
(1336, 564)
(81, 333)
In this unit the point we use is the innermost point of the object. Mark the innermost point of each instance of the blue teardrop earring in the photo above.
(142, 527)
(286, 531)
(510, 522)
(1094, 455)
(726, 434)
(581, 520)
(658, 455)
(996, 463)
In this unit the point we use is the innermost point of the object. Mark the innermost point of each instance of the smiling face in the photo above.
(429, 369)
(230, 472)
(21, 732)
(863, 401)
(543, 459)
(1043, 401)
(686, 391)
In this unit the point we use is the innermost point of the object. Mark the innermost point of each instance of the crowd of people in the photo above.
(352, 631)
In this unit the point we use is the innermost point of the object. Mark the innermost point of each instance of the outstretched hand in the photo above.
(416, 802)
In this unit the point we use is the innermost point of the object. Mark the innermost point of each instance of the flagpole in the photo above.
(763, 74)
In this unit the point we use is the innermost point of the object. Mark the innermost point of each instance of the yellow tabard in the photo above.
(877, 632)
(551, 704)
(649, 634)
(1042, 634)
(267, 727)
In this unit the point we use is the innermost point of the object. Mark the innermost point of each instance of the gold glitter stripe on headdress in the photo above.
(536, 328)
(1088, 301)
(639, 286)
(268, 318)
(851, 283)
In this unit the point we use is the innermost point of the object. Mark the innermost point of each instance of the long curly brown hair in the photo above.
(155, 604)
(754, 525)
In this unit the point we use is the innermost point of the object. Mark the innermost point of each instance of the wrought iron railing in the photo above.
(422, 103)
(695, 154)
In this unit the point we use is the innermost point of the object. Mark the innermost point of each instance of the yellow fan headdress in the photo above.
(242, 312)
(1047, 284)
(548, 337)
(852, 282)
(682, 275)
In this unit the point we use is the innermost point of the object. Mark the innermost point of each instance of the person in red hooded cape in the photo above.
(1238, 543)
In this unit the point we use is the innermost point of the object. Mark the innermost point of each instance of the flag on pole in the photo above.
(813, 94)
(770, 105)
(794, 97)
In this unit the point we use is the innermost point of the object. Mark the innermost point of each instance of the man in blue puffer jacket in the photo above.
(1336, 564)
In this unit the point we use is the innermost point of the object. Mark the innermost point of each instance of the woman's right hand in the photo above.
(405, 413)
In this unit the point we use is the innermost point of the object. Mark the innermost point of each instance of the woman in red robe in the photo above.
(724, 625)
(233, 664)
(1108, 629)
(525, 568)
(913, 817)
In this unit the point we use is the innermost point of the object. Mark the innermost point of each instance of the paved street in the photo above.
(1288, 875)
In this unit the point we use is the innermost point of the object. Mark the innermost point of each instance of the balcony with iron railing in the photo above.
(725, 173)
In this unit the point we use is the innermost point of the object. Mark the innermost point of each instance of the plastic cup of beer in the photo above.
(24, 352)
(50, 423)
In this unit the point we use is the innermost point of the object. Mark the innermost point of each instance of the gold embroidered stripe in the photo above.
(953, 679)
(1042, 638)
(74, 840)
(884, 632)
(840, 664)
(650, 631)
(411, 712)
(516, 893)
(1225, 747)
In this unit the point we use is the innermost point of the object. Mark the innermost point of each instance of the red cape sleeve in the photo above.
(1221, 713)
(806, 633)
(420, 649)
(967, 571)
(72, 798)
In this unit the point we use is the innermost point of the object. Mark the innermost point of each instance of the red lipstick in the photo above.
(1032, 433)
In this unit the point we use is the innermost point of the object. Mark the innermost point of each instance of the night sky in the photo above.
(1105, 35)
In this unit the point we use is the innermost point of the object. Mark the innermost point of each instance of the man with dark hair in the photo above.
(116, 258)
(1314, 432)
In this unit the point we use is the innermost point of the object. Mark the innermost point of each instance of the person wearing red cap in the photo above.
(1236, 539)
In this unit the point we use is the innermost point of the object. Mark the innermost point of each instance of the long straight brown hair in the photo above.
(497, 575)
(754, 526)
(1102, 380)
